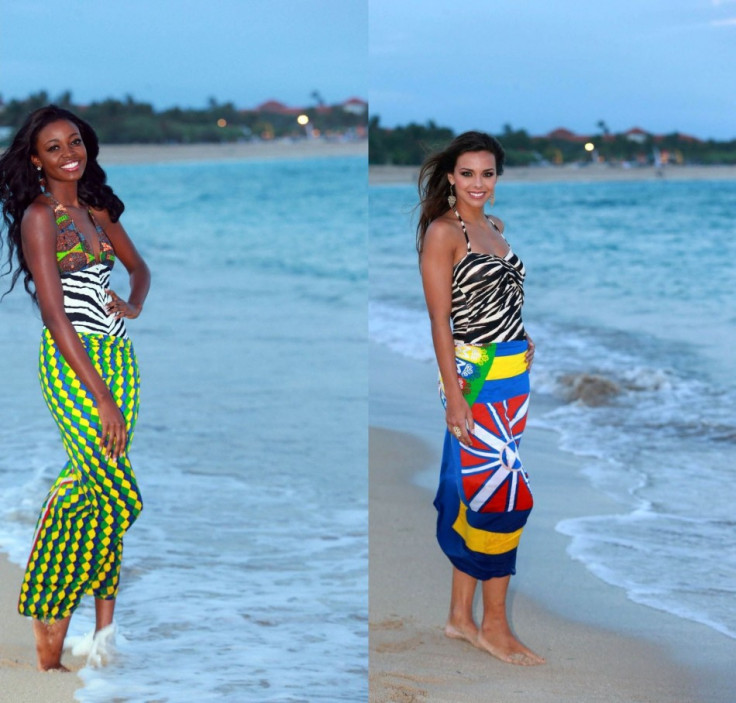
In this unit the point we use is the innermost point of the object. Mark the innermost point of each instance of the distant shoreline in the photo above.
(121, 154)
(382, 175)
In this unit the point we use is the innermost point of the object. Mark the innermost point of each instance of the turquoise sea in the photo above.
(631, 300)
(245, 578)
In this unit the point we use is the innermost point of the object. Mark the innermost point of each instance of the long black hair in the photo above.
(20, 185)
(433, 184)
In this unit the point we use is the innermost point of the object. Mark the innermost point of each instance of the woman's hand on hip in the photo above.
(121, 308)
(459, 419)
(529, 356)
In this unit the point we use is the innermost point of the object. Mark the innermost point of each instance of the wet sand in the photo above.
(599, 645)
(20, 682)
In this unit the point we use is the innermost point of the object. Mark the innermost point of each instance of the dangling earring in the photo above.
(493, 198)
(451, 199)
(41, 179)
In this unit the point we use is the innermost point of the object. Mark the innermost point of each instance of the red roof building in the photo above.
(278, 108)
(566, 135)
(355, 105)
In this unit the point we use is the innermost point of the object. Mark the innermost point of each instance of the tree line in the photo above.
(410, 144)
(128, 121)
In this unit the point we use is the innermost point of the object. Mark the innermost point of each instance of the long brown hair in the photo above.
(433, 184)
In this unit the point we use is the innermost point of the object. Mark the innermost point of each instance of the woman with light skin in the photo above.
(473, 286)
(64, 236)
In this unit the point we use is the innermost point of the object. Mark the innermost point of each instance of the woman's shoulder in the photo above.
(39, 211)
(38, 225)
(444, 230)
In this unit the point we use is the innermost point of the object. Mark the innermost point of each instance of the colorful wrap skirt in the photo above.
(78, 543)
(483, 500)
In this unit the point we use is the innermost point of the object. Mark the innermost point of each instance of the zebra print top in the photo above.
(487, 295)
(84, 279)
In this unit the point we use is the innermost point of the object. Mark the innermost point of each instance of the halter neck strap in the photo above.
(465, 230)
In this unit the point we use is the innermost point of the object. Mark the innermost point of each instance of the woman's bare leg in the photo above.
(104, 610)
(50, 642)
(495, 635)
(460, 624)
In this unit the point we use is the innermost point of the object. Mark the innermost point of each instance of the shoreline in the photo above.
(21, 682)
(128, 154)
(412, 660)
(386, 175)
(599, 645)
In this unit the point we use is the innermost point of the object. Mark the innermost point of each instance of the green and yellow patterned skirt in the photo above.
(78, 544)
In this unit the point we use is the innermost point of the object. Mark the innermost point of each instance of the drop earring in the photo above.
(493, 198)
(41, 179)
(451, 199)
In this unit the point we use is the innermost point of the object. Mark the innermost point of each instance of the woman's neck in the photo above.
(471, 215)
(64, 193)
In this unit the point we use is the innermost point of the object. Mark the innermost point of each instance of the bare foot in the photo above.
(507, 648)
(467, 632)
(49, 643)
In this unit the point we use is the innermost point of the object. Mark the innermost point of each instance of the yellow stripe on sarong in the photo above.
(507, 367)
(482, 541)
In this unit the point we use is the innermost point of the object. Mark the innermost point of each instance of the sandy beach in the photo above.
(114, 154)
(381, 175)
(20, 682)
(599, 645)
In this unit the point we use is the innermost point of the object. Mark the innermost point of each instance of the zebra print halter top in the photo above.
(487, 296)
(85, 279)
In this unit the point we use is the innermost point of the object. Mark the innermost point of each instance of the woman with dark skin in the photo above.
(473, 290)
(63, 228)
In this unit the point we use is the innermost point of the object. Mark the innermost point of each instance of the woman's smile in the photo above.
(71, 166)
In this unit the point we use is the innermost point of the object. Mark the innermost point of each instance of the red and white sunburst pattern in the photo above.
(493, 477)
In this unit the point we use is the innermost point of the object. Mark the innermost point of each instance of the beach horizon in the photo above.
(124, 154)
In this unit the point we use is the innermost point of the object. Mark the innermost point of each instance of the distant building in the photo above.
(355, 106)
(566, 135)
(636, 134)
(682, 137)
(277, 108)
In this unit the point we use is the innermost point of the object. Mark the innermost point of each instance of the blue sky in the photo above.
(182, 52)
(663, 65)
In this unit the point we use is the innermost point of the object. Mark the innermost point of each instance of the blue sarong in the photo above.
(483, 500)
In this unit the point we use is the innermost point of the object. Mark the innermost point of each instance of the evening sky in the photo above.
(182, 52)
(662, 65)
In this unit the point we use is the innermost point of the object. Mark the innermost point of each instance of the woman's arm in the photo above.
(38, 231)
(140, 276)
(438, 257)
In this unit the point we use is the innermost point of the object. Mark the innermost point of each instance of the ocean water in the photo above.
(631, 300)
(245, 578)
